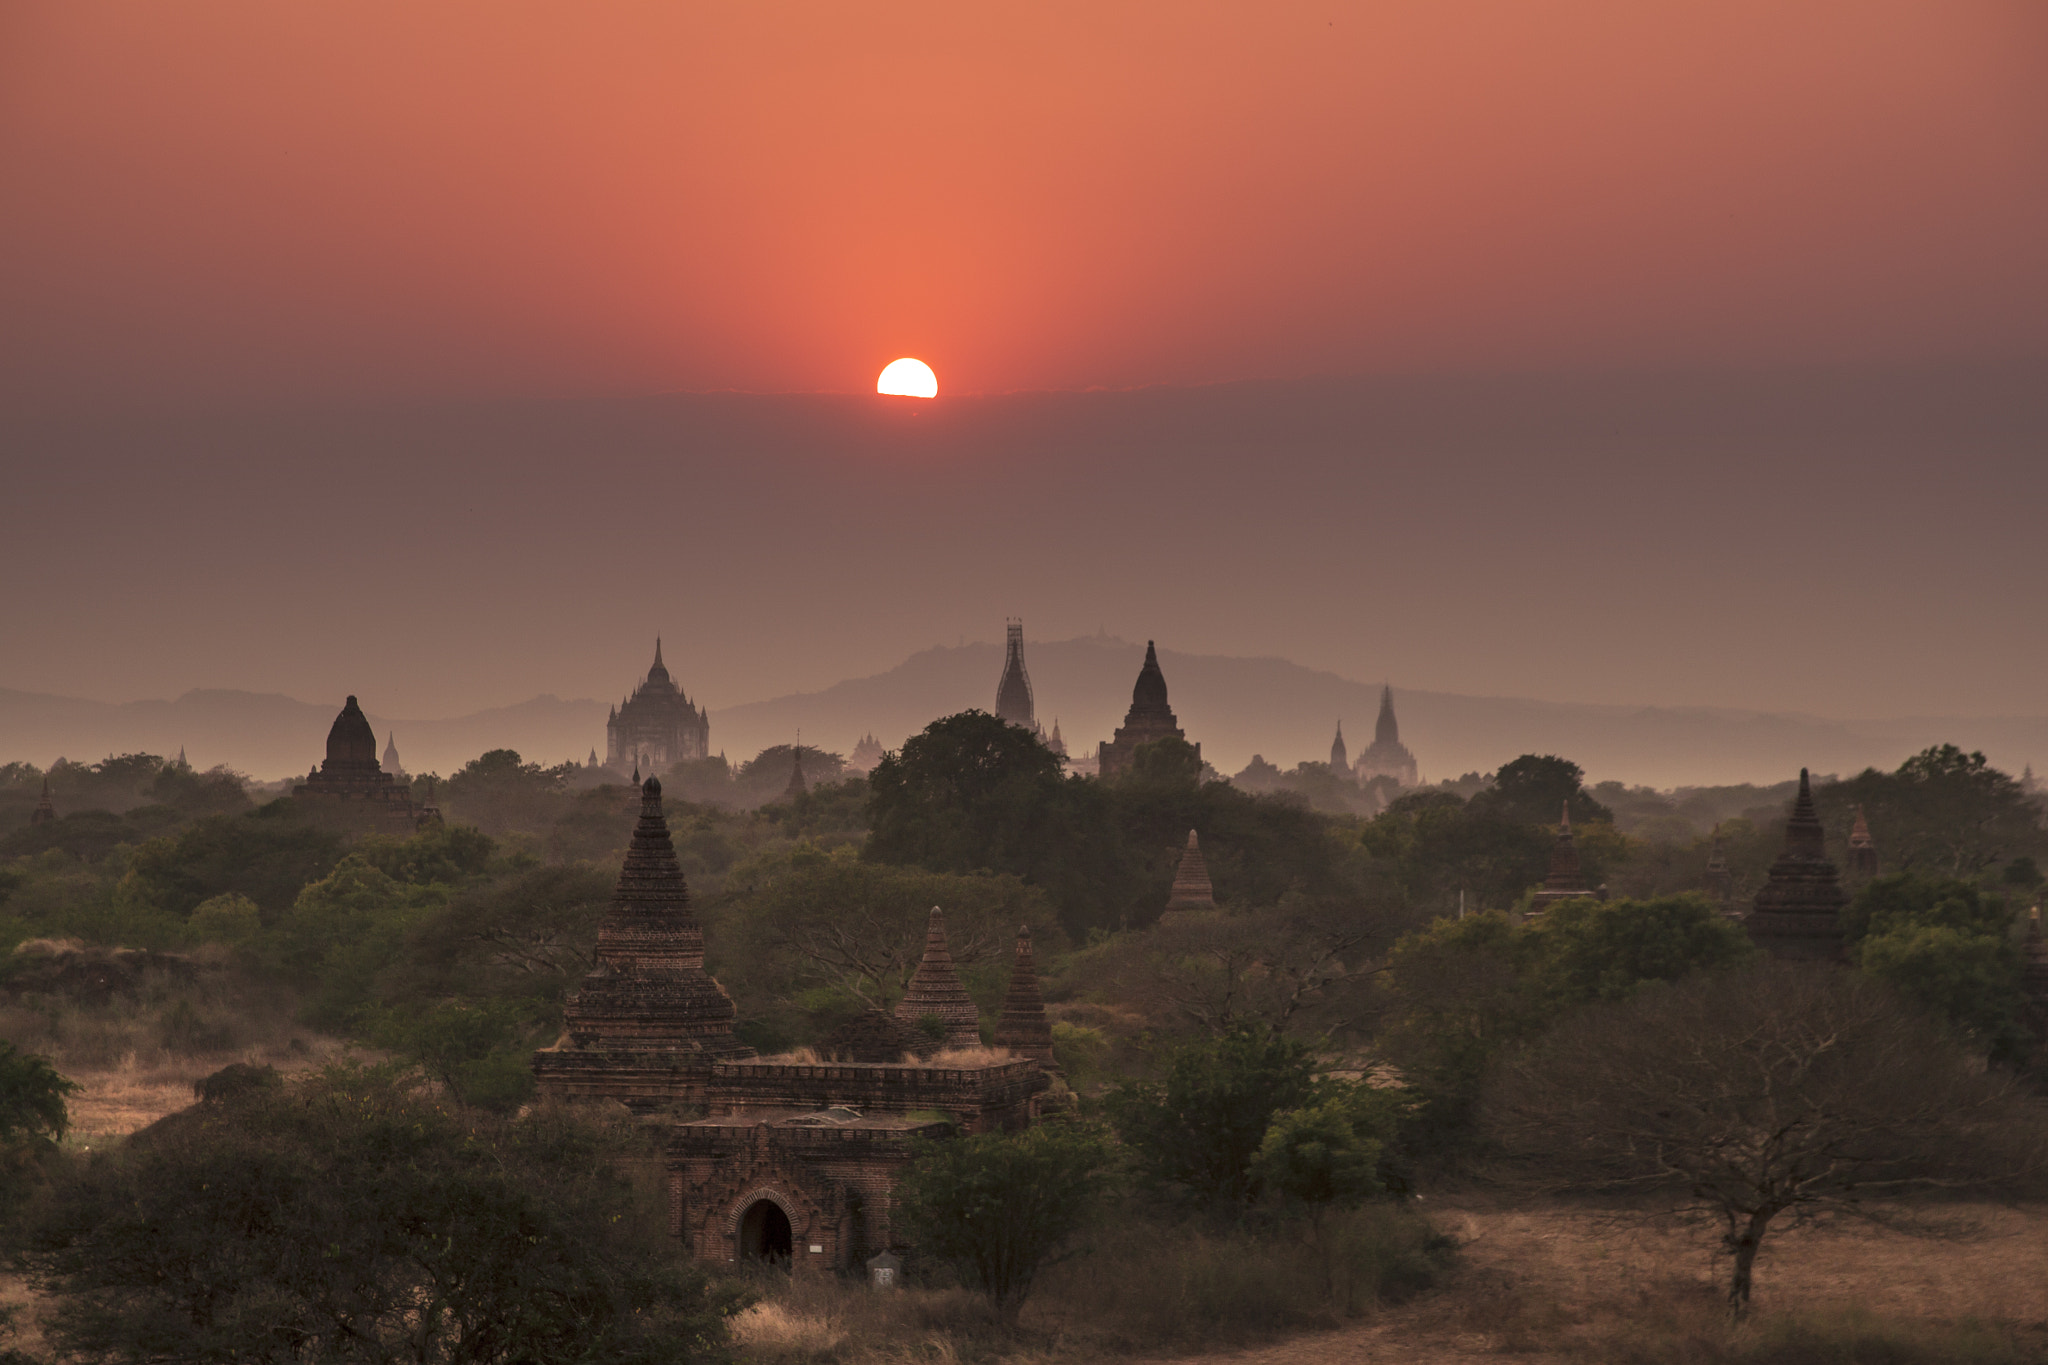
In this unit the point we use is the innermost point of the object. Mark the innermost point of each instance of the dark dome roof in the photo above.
(351, 743)
(1150, 692)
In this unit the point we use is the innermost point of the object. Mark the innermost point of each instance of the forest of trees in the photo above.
(1220, 1058)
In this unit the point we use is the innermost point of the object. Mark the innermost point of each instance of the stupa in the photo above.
(1191, 886)
(1566, 880)
(44, 813)
(350, 787)
(1798, 913)
(935, 991)
(1149, 719)
(1023, 1028)
(1862, 849)
(1387, 756)
(1014, 701)
(649, 1020)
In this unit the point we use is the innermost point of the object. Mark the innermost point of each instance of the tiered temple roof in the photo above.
(350, 783)
(657, 725)
(1340, 762)
(44, 812)
(1024, 1029)
(391, 763)
(936, 990)
(796, 785)
(1386, 756)
(1149, 719)
(649, 991)
(1798, 913)
(1566, 880)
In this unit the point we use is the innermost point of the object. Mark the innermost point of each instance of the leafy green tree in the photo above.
(1535, 789)
(1201, 1127)
(1438, 848)
(999, 1207)
(345, 1218)
(953, 797)
(1944, 813)
(481, 1050)
(1592, 949)
(1970, 979)
(1330, 1154)
(1905, 900)
(342, 932)
(267, 856)
(32, 1110)
(500, 793)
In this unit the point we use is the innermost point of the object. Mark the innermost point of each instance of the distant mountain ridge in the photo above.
(1234, 707)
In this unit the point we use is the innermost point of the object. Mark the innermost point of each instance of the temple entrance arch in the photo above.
(765, 1233)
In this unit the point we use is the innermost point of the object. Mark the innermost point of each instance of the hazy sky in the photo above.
(1675, 353)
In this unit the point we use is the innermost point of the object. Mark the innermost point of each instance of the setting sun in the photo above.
(909, 379)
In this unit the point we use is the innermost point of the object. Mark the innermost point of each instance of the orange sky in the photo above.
(237, 199)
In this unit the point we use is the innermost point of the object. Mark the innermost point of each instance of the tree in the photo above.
(1944, 813)
(1534, 790)
(1443, 851)
(998, 1207)
(1330, 1154)
(498, 792)
(1778, 1088)
(33, 1116)
(1590, 949)
(346, 1218)
(1201, 1127)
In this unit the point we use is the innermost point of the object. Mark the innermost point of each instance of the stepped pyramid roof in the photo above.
(1798, 912)
(1191, 887)
(1024, 1029)
(649, 989)
(936, 990)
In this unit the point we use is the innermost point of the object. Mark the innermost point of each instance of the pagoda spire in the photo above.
(1024, 1028)
(1192, 889)
(1798, 912)
(45, 812)
(1567, 880)
(936, 990)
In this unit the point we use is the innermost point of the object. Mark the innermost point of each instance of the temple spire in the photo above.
(1192, 889)
(935, 991)
(1567, 880)
(1797, 913)
(45, 812)
(1024, 1028)
(796, 785)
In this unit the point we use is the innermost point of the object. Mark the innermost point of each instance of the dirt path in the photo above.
(1535, 1281)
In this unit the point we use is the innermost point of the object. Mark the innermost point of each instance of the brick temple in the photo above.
(657, 726)
(1148, 720)
(1798, 913)
(351, 788)
(789, 1159)
(1386, 756)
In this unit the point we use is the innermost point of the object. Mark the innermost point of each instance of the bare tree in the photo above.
(1783, 1088)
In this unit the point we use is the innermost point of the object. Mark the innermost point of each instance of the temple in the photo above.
(1798, 913)
(1720, 881)
(1014, 701)
(1386, 756)
(1566, 880)
(391, 763)
(866, 755)
(649, 1020)
(45, 812)
(1148, 720)
(789, 1160)
(796, 785)
(656, 728)
(350, 787)
(1054, 742)
(1191, 887)
(1340, 762)
(936, 994)
(1862, 849)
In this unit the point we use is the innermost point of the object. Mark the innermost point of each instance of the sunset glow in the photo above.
(907, 378)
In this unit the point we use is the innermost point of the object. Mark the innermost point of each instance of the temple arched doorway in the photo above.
(765, 1233)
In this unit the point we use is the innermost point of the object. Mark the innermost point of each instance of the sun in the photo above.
(909, 379)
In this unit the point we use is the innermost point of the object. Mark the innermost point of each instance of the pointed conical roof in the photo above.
(1798, 912)
(1386, 730)
(1340, 760)
(658, 673)
(351, 743)
(796, 785)
(1859, 832)
(649, 990)
(1191, 886)
(1024, 1029)
(1014, 701)
(1148, 694)
(44, 812)
(1566, 879)
(936, 990)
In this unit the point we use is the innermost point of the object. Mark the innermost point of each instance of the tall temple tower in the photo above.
(1566, 880)
(1014, 702)
(1862, 849)
(391, 763)
(1149, 719)
(656, 727)
(1340, 761)
(1798, 913)
(1386, 756)
(350, 785)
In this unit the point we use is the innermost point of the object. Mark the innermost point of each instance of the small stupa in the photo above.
(935, 990)
(1567, 881)
(1798, 913)
(1024, 1029)
(1191, 887)
(44, 813)
(1862, 849)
